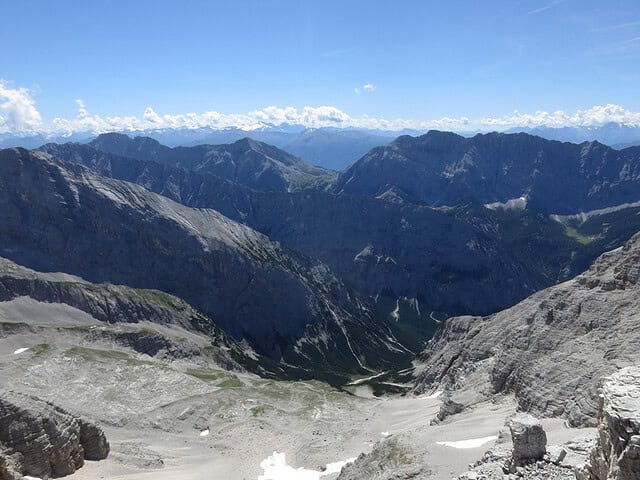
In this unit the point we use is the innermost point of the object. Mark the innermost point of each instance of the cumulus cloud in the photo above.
(366, 88)
(328, 116)
(18, 112)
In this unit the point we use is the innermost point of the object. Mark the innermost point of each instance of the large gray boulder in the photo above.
(616, 455)
(42, 440)
(529, 439)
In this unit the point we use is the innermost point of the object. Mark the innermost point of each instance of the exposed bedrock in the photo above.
(616, 455)
(42, 440)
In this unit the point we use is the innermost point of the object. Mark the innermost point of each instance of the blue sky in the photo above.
(422, 60)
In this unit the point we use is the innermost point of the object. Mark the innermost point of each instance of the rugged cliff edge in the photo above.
(42, 440)
(551, 350)
(616, 455)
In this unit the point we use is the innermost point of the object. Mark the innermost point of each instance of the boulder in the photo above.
(529, 439)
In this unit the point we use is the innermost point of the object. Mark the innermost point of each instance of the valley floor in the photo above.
(186, 419)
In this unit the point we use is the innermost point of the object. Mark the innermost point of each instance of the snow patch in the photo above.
(432, 396)
(471, 443)
(396, 312)
(21, 350)
(275, 468)
(385, 434)
(204, 432)
(513, 204)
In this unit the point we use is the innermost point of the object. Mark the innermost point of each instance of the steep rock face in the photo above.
(552, 349)
(446, 169)
(44, 440)
(65, 217)
(616, 455)
(248, 162)
(462, 260)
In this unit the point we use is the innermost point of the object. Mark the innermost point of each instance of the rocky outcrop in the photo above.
(442, 168)
(550, 350)
(529, 440)
(42, 440)
(616, 455)
(391, 459)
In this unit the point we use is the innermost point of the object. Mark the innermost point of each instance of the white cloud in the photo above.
(18, 109)
(82, 110)
(367, 88)
(18, 114)
(328, 116)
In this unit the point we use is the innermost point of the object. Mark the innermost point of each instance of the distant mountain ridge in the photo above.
(612, 133)
(247, 162)
(441, 169)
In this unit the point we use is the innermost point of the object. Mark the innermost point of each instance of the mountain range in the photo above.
(444, 169)
(501, 265)
(58, 215)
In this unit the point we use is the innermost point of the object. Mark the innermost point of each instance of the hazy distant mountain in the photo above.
(248, 162)
(335, 148)
(10, 140)
(446, 169)
(332, 148)
(613, 134)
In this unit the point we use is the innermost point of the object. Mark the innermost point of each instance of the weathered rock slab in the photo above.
(42, 440)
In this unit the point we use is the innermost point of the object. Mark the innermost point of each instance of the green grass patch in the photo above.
(158, 297)
(577, 236)
(232, 382)
(207, 374)
(40, 349)
(259, 411)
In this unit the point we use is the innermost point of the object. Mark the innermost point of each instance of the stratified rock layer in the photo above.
(616, 455)
(42, 440)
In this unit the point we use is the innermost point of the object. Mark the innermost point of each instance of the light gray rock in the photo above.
(616, 455)
(529, 439)
(390, 459)
(43, 440)
(552, 349)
